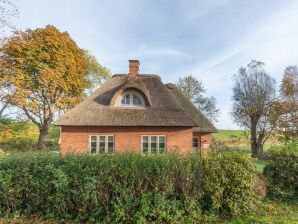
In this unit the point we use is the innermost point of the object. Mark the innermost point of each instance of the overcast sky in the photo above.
(209, 39)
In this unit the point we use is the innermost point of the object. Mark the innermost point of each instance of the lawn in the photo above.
(238, 140)
(228, 134)
(271, 212)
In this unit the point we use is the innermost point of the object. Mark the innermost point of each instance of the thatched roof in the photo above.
(163, 107)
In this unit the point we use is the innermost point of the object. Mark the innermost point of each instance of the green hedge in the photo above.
(126, 188)
(282, 175)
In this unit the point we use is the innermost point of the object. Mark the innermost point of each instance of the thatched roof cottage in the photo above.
(135, 112)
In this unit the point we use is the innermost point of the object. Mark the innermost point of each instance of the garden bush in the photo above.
(17, 135)
(126, 188)
(229, 178)
(281, 172)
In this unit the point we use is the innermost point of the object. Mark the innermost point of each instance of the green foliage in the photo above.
(125, 188)
(270, 212)
(229, 181)
(96, 73)
(282, 174)
(22, 136)
(195, 91)
(17, 135)
(226, 134)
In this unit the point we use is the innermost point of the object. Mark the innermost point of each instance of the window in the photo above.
(195, 143)
(132, 99)
(153, 144)
(101, 144)
(125, 100)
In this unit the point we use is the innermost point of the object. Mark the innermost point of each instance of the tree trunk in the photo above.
(253, 138)
(43, 133)
(260, 150)
(42, 138)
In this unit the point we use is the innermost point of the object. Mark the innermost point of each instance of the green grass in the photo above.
(259, 164)
(228, 134)
(270, 212)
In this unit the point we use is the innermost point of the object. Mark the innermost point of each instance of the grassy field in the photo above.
(228, 134)
(238, 139)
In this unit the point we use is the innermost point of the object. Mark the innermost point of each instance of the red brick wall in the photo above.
(76, 139)
(205, 140)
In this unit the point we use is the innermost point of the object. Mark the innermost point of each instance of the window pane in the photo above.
(93, 145)
(102, 138)
(153, 144)
(162, 145)
(145, 138)
(111, 138)
(102, 147)
(145, 147)
(125, 100)
(153, 138)
(110, 146)
(136, 100)
(162, 139)
(195, 142)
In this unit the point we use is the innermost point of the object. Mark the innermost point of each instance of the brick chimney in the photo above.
(133, 68)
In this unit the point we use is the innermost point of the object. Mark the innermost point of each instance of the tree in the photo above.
(2, 109)
(7, 10)
(97, 73)
(288, 122)
(42, 70)
(194, 90)
(254, 102)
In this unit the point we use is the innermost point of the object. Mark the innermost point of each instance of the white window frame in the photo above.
(149, 143)
(97, 142)
(131, 93)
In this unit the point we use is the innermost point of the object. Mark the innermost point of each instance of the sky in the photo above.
(172, 38)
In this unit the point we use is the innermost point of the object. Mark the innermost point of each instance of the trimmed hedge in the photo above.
(282, 175)
(126, 188)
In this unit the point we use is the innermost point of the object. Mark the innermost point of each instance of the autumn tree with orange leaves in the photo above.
(288, 104)
(41, 71)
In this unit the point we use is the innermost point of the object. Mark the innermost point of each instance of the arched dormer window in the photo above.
(131, 99)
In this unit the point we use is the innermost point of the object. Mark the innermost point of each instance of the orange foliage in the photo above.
(43, 68)
(41, 71)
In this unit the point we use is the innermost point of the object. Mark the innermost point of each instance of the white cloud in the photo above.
(274, 41)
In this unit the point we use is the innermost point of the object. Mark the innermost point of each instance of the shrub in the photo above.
(23, 136)
(281, 172)
(229, 183)
(125, 188)
(20, 135)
